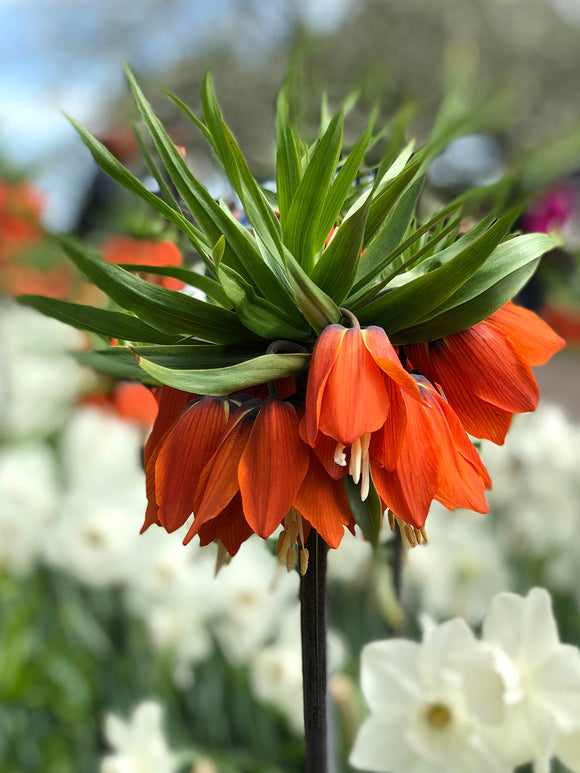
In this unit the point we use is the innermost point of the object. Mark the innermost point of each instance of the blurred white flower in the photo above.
(39, 382)
(541, 677)
(420, 720)
(253, 594)
(460, 569)
(139, 744)
(28, 504)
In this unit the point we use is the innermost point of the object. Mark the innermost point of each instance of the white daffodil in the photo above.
(541, 678)
(139, 744)
(420, 721)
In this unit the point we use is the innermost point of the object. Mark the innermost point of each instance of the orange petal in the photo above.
(323, 357)
(355, 397)
(322, 501)
(385, 356)
(409, 489)
(386, 443)
(272, 467)
(186, 449)
(229, 527)
(324, 449)
(531, 337)
(219, 480)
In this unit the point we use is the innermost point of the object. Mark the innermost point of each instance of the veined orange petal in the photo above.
(189, 444)
(386, 443)
(171, 404)
(218, 482)
(322, 501)
(532, 338)
(323, 358)
(272, 467)
(409, 489)
(229, 527)
(385, 356)
(355, 397)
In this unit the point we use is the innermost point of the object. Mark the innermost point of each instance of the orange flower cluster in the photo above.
(247, 463)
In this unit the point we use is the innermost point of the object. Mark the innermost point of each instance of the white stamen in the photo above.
(366, 478)
(355, 460)
(339, 455)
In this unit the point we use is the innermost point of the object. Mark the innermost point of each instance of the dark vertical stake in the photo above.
(313, 630)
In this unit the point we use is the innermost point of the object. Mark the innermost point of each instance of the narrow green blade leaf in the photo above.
(336, 268)
(170, 311)
(288, 164)
(110, 324)
(235, 378)
(317, 307)
(255, 205)
(384, 201)
(208, 286)
(335, 201)
(258, 314)
(301, 227)
(165, 192)
(409, 303)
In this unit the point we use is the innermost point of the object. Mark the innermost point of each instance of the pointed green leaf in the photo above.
(301, 227)
(235, 378)
(240, 251)
(335, 201)
(164, 190)
(317, 307)
(405, 305)
(110, 324)
(336, 268)
(505, 272)
(204, 283)
(368, 514)
(258, 314)
(117, 172)
(288, 164)
(384, 201)
(170, 311)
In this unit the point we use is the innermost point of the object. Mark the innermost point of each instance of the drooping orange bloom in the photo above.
(146, 252)
(355, 382)
(485, 371)
(436, 460)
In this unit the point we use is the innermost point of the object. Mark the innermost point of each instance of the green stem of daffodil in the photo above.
(314, 676)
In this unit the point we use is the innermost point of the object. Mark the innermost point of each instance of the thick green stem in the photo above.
(313, 628)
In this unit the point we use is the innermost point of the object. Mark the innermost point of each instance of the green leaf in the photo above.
(257, 313)
(505, 272)
(117, 172)
(407, 304)
(110, 324)
(389, 236)
(192, 278)
(368, 514)
(288, 164)
(241, 251)
(318, 308)
(164, 189)
(235, 378)
(336, 269)
(192, 117)
(167, 310)
(256, 206)
(335, 201)
(384, 201)
(300, 229)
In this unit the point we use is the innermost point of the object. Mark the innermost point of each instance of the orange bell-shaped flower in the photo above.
(485, 370)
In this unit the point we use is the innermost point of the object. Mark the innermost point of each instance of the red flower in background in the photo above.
(20, 208)
(485, 371)
(142, 252)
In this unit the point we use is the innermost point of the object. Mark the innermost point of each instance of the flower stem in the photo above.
(313, 629)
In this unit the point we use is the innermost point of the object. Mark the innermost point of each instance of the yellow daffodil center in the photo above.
(438, 715)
